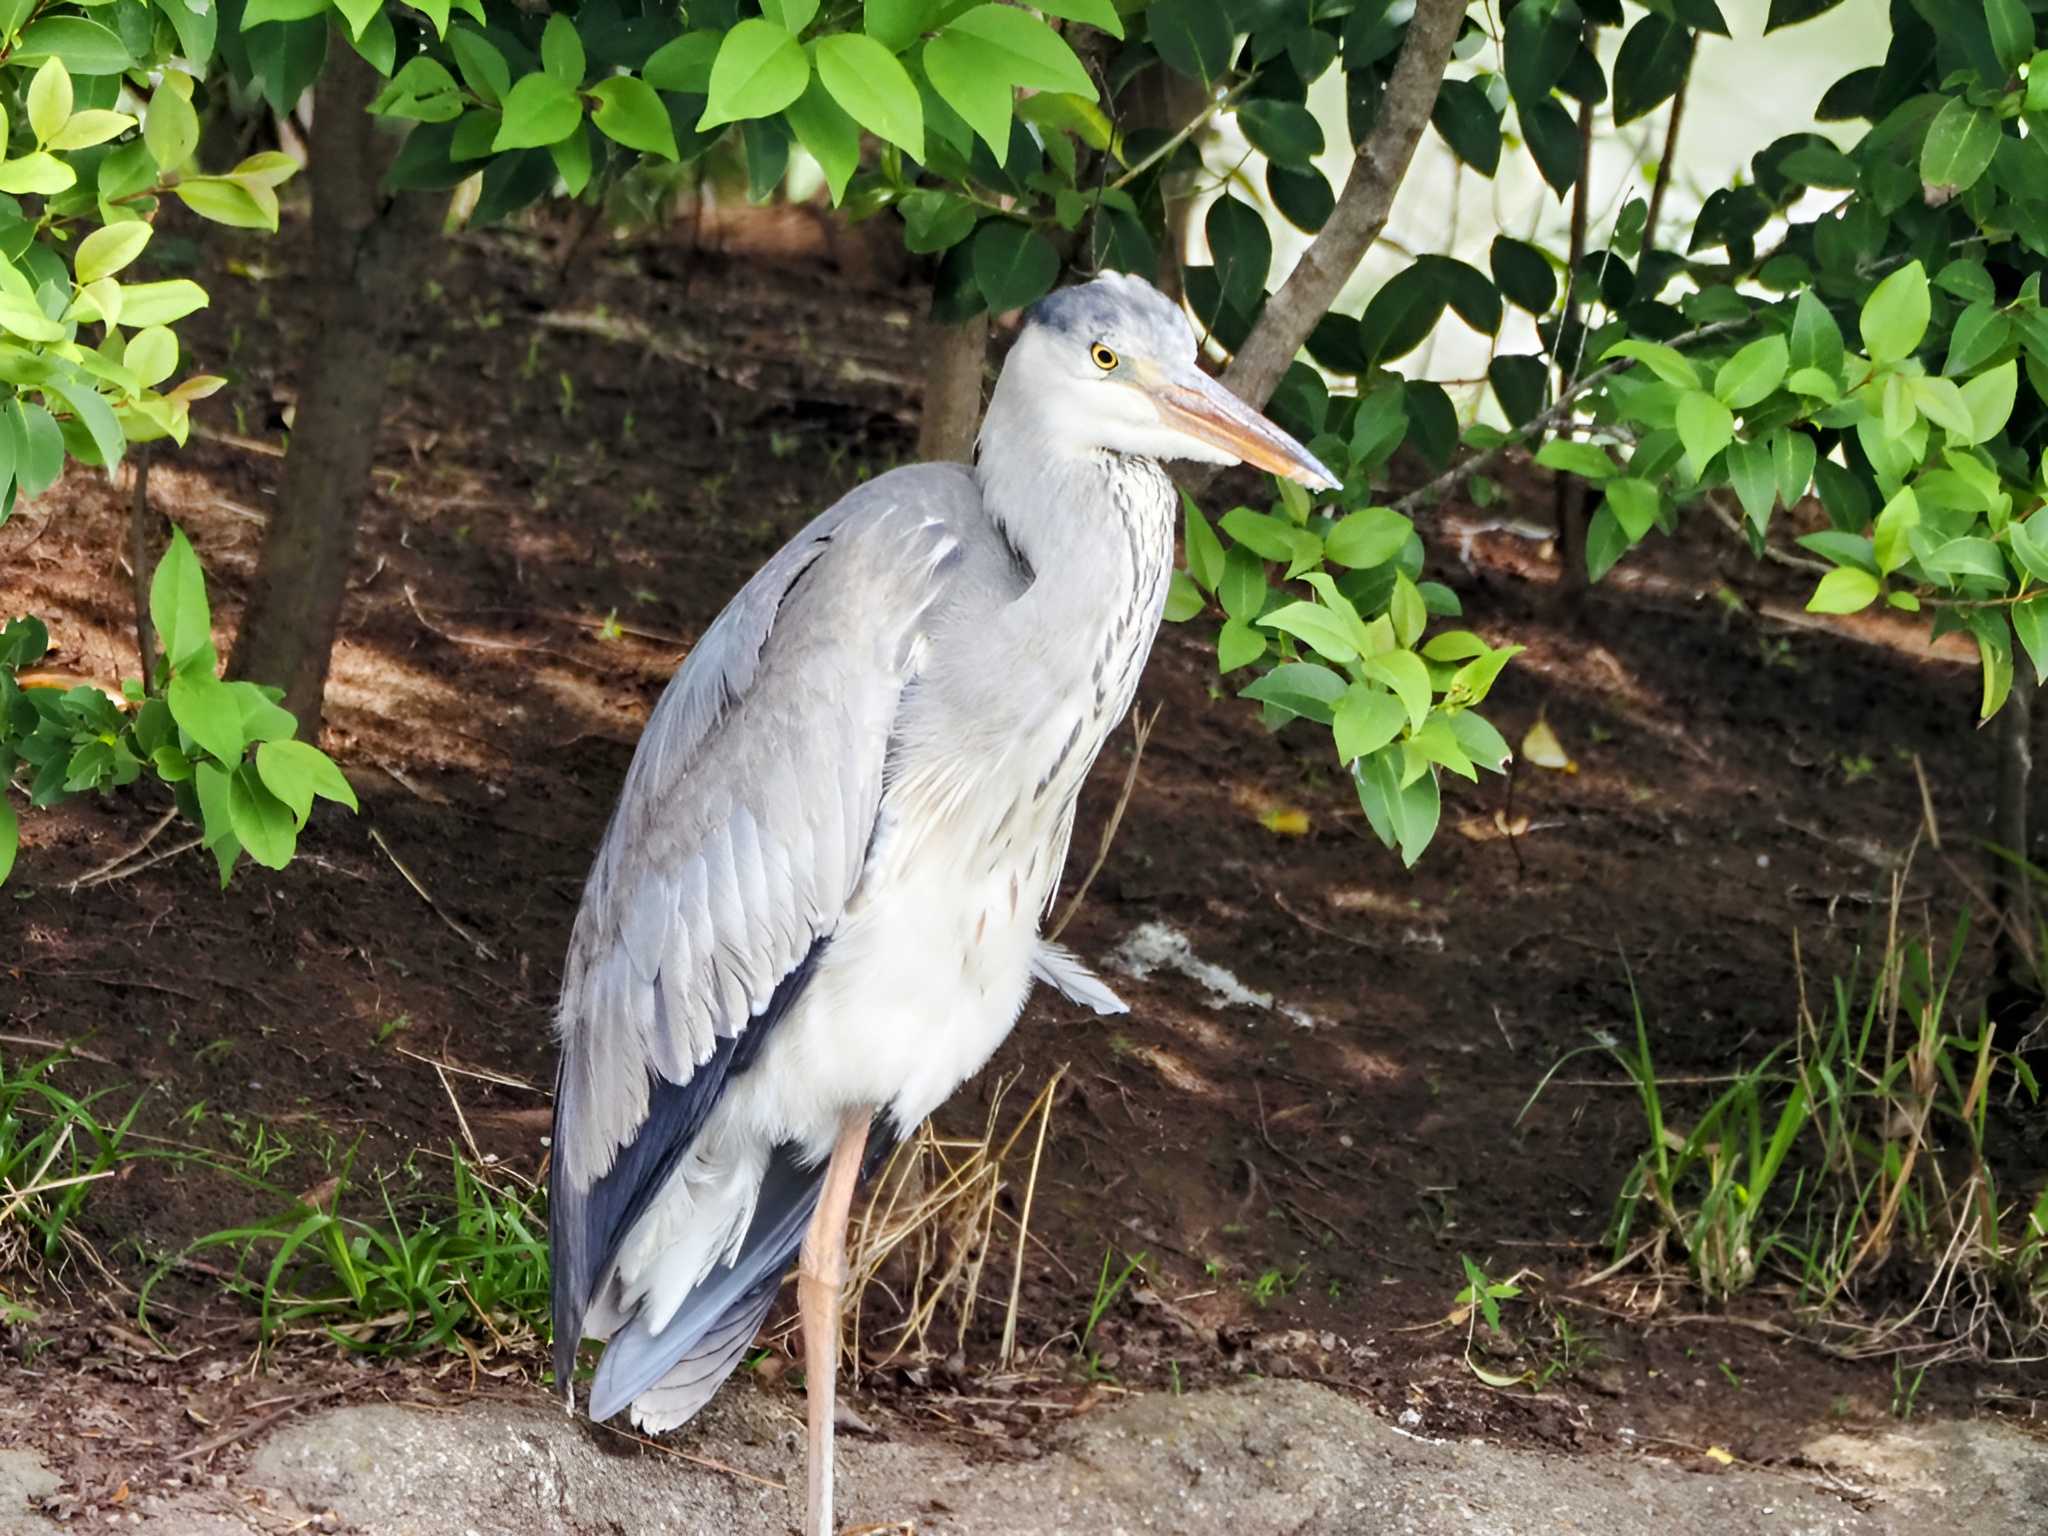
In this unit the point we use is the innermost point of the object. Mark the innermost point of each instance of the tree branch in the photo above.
(1458, 474)
(1361, 211)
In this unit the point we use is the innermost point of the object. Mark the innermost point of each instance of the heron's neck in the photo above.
(1095, 529)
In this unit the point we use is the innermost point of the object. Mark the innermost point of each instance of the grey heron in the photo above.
(816, 910)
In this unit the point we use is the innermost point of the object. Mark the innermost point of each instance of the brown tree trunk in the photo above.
(1166, 101)
(369, 250)
(1362, 208)
(955, 362)
(1571, 490)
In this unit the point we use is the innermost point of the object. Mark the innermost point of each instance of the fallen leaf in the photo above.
(1542, 749)
(1720, 1457)
(1482, 829)
(1285, 821)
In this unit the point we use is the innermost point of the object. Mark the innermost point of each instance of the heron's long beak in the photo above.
(1196, 404)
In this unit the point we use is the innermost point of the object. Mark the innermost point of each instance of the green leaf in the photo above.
(759, 70)
(1667, 363)
(629, 113)
(1792, 459)
(2029, 622)
(1242, 591)
(1014, 265)
(1843, 590)
(92, 126)
(571, 156)
(1524, 274)
(982, 55)
(2011, 25)
(822, 127)
(177, 604)
(1268, 537)
(205, 709)
(262, 823)
(1479, 741)
(790, 15)
(86, 47)
(483, 67)
(1960, 144)
(1283, 131)
(1408, 675)
(1816, 339)
(1753, 374)
(1193, 37)
(1302, 688)
(170, 128)
(539, 111)
(295, 772)
(1989, 399)
(1204, 549)
(1651, 65)
(684, 64)
(227, 202)
(109, 249)
(1570, 456)
(42, 456)
(561, 51)
(1316, 627)
(1635, 504)
(1368, 538)
(1238, 645)
(1183, 599)
(1755, 479)
(1896, 313)
(38, 172)
(145, 304)
(260, 11)
(1891, 544)
(1467, 122)
(92, 412)
(1942, 403)
(49, 100)
(1705, 427)
(933, 220)
(1366, 720)
(876, 91)
(1100, 14)
(10, 836)
(1606, 542)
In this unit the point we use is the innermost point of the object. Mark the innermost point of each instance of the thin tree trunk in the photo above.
(141, 558)
(953, 372)
(1571, 490)
(1668, 162)
(369, 250)
(2013, 958)
(1361, 212)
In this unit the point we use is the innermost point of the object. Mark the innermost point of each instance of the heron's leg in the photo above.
(820, 1276)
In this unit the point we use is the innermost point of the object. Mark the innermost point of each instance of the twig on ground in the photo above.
(425, 895)
(218, 1442)
(108, 870)
(486, 642)
(37, 1043)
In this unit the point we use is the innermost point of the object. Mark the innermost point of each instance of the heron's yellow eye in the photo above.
(1102, 357)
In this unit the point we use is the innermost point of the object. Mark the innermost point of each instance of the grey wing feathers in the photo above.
(743, 820)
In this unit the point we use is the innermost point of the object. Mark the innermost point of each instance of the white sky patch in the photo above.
(1154, 947)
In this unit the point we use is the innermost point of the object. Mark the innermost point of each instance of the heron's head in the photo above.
(1110, 365)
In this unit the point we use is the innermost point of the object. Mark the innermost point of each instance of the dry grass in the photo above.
(928, 1247)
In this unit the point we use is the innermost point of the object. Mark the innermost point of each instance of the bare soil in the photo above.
(631, 441)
